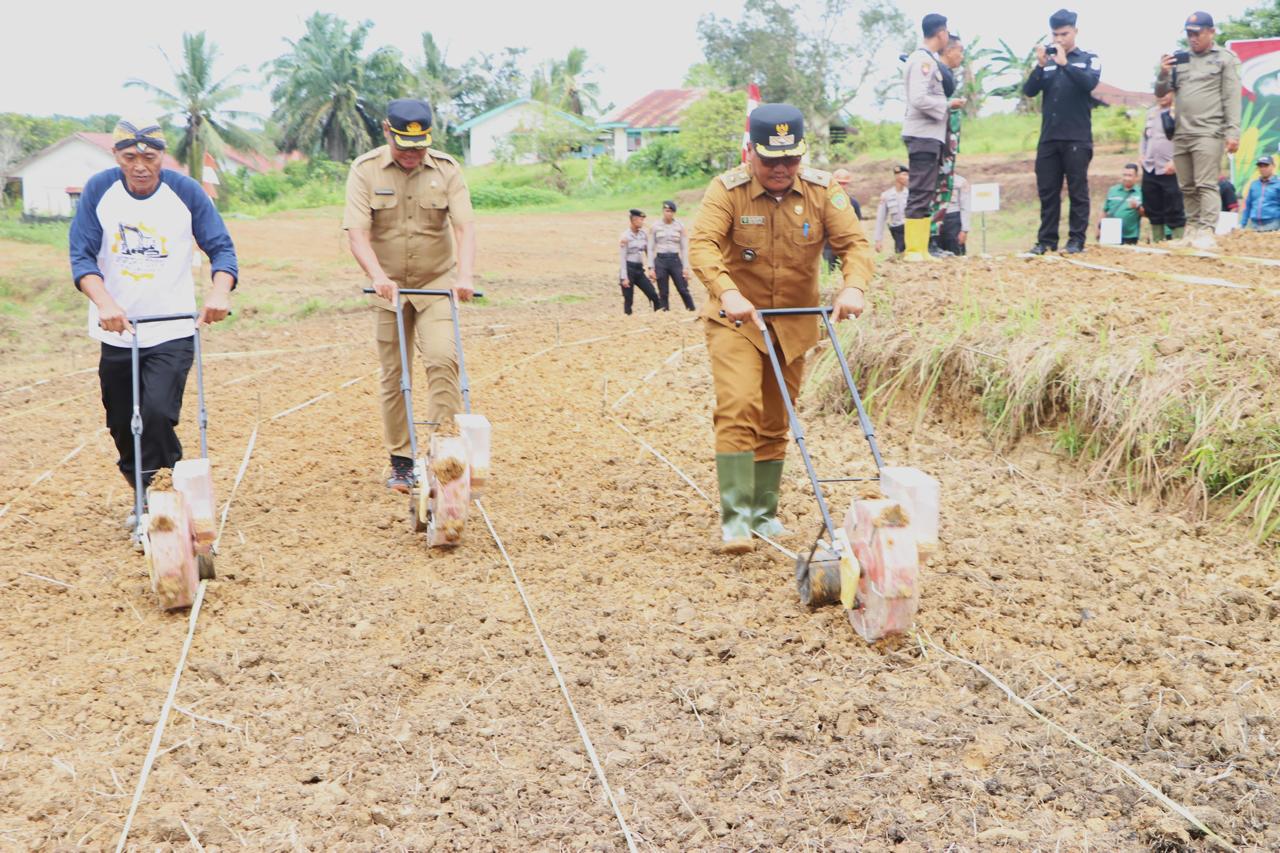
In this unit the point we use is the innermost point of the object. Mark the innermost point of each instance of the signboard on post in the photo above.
(1110, 231)
(1260, 113)
(984, 198)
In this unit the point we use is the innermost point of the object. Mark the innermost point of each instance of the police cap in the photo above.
(1062, 18)
(1198, 21)
(777, 130)
(410, 122)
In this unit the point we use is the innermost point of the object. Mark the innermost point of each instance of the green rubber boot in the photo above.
(768, 476)
(736, 474)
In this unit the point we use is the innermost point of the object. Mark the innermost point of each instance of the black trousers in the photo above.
(1054, 161)
(949, 234)
(924, 159)
(899, 234)
(667, 269)
(162, 377)
(637, 278)
(1162, 200)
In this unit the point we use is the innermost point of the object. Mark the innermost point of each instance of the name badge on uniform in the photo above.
(752, 220)
(384, 192)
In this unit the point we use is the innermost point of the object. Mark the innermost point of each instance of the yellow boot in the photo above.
(916, 236)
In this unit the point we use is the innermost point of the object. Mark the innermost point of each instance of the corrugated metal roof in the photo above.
(659, 108)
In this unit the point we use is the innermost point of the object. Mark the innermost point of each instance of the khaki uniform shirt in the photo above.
(1207, 100)
(927, 103)
(747, 241)
(409, 216)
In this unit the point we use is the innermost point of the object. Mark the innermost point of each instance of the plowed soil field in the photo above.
(350, 689)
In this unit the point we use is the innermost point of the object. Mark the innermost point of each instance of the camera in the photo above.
(1051, 50)
(1181, 57)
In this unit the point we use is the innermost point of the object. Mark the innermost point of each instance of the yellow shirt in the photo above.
(408, 214)
(768, 250)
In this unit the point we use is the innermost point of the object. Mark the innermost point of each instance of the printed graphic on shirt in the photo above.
(141, 251)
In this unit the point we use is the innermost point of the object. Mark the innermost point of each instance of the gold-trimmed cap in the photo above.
(410, 122)
(777, 130)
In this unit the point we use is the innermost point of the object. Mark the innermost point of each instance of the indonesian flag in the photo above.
(753, 101)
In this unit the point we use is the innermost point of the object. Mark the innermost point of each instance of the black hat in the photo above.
(931, 23)
(669, 205)
(410, 122)
(1062, 18)
(1265, 160)
(635, 211)
(1198, 21)
(777, 130)
(900, 168)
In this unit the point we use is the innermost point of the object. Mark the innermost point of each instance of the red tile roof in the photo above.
(251, 160)
(659, 108)
(1113, 96)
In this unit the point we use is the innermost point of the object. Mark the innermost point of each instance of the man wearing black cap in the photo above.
(924, 130)
(756, 244)
(635, 256)
(1262, 204)
(409, 224)
(1206, 102)
(1067, 76)
(892, 211)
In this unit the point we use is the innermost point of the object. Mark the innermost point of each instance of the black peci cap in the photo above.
(931, 23)
(1062, 18)
(635, 211)
(1198, 21)
(900, 168)
(669, 205)
(777, 130)
(410, 122)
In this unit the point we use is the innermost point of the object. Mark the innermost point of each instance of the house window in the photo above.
(633, 142)
(74, 195)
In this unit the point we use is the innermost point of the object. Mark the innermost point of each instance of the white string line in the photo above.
(1184, 279)
(47, 474)
(320, 397)
(667, 362)
(564, 688)
(39, 382)
(49, 405)
(545, 350)
(244, 466)
(1147, 250)
(164, 716)
(1142, 783)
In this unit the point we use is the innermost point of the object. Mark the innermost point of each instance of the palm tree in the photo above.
(198, 98)
(564, 85)
(439, 83)
(328, 95)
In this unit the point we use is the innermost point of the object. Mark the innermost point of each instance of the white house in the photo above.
(487, 132)
(53, 178)
(657, 113)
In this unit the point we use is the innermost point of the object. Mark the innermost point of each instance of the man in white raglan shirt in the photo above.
(132, 241)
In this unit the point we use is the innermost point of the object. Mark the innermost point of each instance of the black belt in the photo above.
(668, 254)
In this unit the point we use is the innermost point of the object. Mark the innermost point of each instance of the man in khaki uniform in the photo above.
(410, 224)
(756, 244)
(1206, 86)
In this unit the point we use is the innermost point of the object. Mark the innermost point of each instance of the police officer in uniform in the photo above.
(1067, 76)
(410, 224)
(924, 130)
(756, 244)
(670, 242)
(1206, 102)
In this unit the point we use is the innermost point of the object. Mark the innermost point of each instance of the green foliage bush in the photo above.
(498, 195)
(268, 186)
(667, 157)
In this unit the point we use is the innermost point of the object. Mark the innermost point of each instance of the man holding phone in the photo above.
(1205, 81)
(1067, 76)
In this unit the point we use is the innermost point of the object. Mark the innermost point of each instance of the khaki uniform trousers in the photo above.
(750, 415)
(1198, 160)
(431, 327)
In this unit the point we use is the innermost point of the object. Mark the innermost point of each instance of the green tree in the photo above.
(1261, 21)
(329, 95)
(711, 130)
(976, 75)
(490, 80)
(818, 62)
(440, 83)
(549, 140)
(198, 97)
(1011, 65)
(566, 84)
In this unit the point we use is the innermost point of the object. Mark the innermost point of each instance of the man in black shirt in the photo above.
(1067, 76)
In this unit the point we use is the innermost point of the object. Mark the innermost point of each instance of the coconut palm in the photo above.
(199, 98)
(565, 85)
(439, 83)
(329, 95)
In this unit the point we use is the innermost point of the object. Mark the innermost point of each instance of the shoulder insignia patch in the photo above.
(926, 68)
(839, 200)
(735, 178)
(815, 176)
(437, 154)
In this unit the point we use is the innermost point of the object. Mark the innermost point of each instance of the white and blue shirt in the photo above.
(143, 247)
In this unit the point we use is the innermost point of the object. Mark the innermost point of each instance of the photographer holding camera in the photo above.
(1206, 85)
(1067, 76)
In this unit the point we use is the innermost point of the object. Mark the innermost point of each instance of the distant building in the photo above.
(1111, 96)
(653, 116)
(488, 132)
(52, 179)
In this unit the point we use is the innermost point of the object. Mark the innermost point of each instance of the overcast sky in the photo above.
(73, 57)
